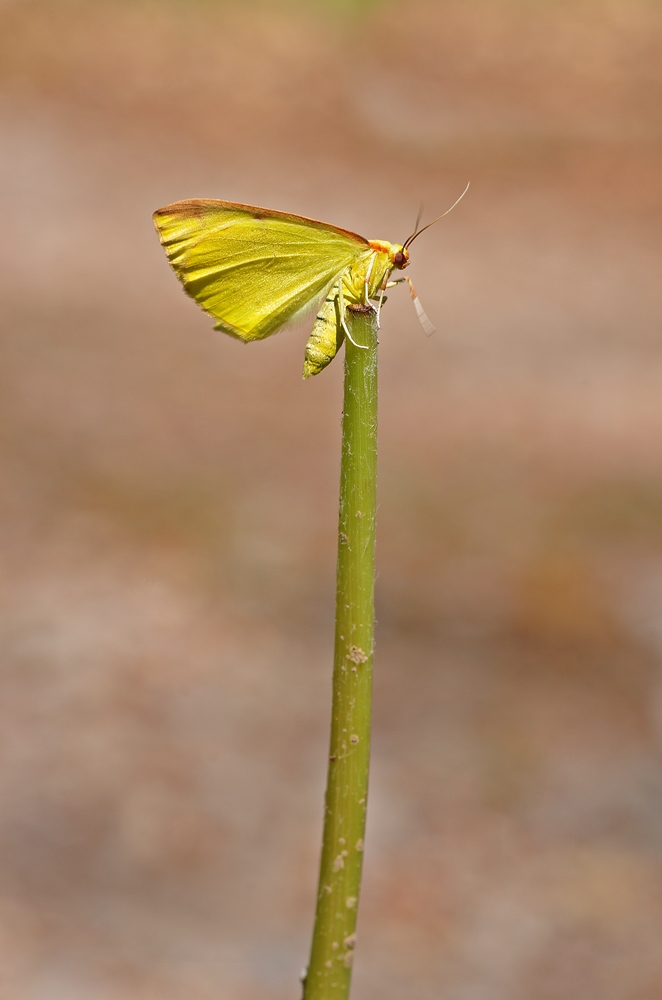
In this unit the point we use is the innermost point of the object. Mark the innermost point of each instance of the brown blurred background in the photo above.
(169, 503)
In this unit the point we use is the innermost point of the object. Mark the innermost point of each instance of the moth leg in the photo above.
(341, 299)
(423, 318)
(426, 323)
(383, 288)
(366, 283)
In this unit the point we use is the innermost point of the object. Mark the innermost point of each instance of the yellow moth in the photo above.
(254, 270)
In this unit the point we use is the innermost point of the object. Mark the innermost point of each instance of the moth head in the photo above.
(399, 257)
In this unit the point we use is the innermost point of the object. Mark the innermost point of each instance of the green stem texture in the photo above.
(334, 933)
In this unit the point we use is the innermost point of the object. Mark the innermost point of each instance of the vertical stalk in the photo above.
(334, 937)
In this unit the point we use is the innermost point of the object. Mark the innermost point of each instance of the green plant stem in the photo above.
(334, 937)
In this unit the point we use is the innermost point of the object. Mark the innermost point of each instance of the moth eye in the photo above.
(398, 259)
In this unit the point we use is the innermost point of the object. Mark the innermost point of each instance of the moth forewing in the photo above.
(253, 270)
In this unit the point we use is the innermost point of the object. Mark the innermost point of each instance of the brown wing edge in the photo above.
(196, 207)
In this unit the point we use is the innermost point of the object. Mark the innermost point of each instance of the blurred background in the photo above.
(168, 502)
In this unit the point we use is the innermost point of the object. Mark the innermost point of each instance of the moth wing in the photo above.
(252, 269)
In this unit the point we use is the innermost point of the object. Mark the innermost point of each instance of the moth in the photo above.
(255, 270)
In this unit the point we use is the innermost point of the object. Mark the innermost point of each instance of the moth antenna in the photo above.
(419, 231)
(428, 326)
(416, 225)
